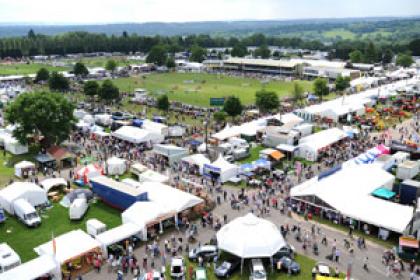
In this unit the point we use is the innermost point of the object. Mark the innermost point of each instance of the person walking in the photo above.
(337, 255)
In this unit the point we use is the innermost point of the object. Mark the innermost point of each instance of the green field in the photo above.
(54, 221)
(344, 34)
(101, 61)
(26, 69)
(196, 89)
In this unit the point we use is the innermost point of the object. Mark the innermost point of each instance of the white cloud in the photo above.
(100, 11)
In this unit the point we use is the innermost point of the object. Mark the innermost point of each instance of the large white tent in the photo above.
(137, 135)
(197, 159)
(221, 168)
(115, 166)
(353, 185)
(309, 146)
(13, 146)
(69, 245)
(250, 237)
(152, 176)
(155, 127)
(34, 269)
(34, 194)
(117, 234)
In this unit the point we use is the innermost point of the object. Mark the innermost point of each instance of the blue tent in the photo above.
(247, 167)
(263, 163)
(137, 123)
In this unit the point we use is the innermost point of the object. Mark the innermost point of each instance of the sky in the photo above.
(114, 11)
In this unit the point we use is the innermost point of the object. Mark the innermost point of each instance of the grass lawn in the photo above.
(101, 61)
(197, 88)
(8, 161)
(344, 34)
(54, 220)
(254, 154)
(306, 265)
(25, 69)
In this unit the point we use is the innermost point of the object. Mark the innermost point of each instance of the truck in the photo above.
(26, 213)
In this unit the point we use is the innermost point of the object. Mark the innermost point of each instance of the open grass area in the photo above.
(344, 34)
(101, 61)
(197, 88)
(306, 265)
(55, 220)
(26, 69)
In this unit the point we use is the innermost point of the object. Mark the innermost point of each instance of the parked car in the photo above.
(200, 274)
(286, 251)
(257, 270)
(226, 268)
(78, 208)
(321, 269)
(206, 252)
(177, 267)
(287, 264)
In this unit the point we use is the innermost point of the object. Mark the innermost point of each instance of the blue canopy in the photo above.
(138, 123)
(263, 163)
(247, 167)
(195, 142)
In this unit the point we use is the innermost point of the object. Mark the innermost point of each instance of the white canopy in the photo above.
(23, 165)
(352, 186)
(152, 176)
(69, 245)
(137, 135)
(250, 237)
(117, 234)
(33, 269)
(155, 127)
(49, 183)
(143, 213)
(197, 159)
(13, 146)
(138, 168)
(221, 166)
(31, 192)
(116, 166)
(227, 132)
(172, 152)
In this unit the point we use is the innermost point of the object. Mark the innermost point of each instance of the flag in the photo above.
(54, 245)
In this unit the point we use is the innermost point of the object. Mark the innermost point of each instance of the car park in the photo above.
(227, 268)
(207, 252)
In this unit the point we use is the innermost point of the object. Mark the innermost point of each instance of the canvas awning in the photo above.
(118, 234)
(409, 242)
(277, 155)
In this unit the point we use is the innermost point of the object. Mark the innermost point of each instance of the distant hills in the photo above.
(311, 29)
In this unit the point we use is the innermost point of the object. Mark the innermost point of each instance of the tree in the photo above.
(170, 63)
(219, 116)
(31, 34)
(42, 75)
(297, 93)
(163, 103)
(263, 51)
(111, 65)
(80, 69)
(157, 55)
(91, 88)
(198, 54)
(414, 47)
(320, 87)
(41, 114)
(108, 91)
(341, 83)
(239, 50)
(387, 56)
(371, 53)
(266, 100)
(233, 106)
(404, 60)
(57, 82)
(356, 56)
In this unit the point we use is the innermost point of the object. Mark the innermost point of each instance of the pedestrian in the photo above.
(365, 263)
(337, 255)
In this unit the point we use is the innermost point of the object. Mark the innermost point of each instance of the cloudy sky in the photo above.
(107, 11)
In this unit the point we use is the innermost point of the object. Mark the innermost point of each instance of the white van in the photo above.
(8, 258)
(25, 212)
(257, 270)
(78, 208)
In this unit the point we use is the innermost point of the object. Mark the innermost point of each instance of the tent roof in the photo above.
(142, 213)
(115, 160)
(32, 269)
(169, 150)
(249, 237)
(24, 164)
(353, 185)
(134, 134)
(152, 176)
(17, 189)
(69, 245)
(118, 186)
(223, 164)
(47, 184)
(323, 138)
(196, 159)
(118, 234)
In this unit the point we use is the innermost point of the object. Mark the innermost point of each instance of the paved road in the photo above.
(373, 251)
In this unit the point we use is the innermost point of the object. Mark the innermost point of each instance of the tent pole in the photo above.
(242, 265)
(272, 264)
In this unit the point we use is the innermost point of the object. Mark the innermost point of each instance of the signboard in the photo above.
(216, 101)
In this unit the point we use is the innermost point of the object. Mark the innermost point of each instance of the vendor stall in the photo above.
(196, 161)
(115, 166)
(31, 192)
(38, 268)
(152, 176)
(74, 251)
(220, 170)
(24, 168)
(87, 172)
(53, 183)
(171, 153)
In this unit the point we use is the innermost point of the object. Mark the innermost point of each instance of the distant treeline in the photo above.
(83, 42)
